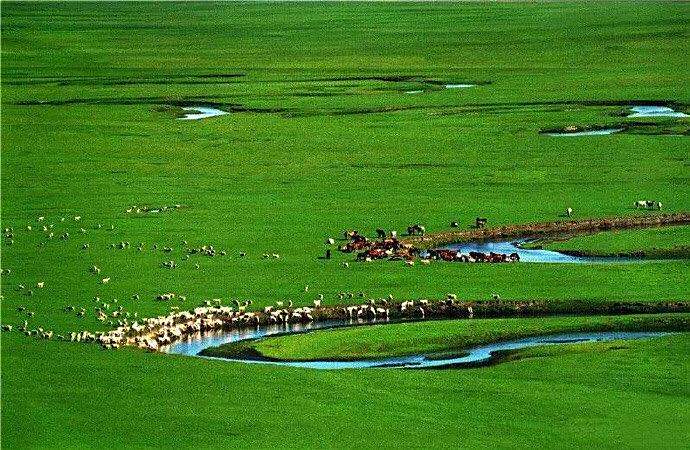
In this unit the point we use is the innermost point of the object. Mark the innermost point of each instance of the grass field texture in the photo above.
(323, 137)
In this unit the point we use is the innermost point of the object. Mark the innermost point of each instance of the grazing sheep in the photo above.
(95, 270)
(317, 303)
(105, 280)
(495, 296)
(454, 225)
(41, 219)
(569, 212)
(409, 263)
(330, 241)
(40, 284)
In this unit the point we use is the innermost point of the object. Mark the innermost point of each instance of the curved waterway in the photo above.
(533, 255)
(201, 112)
(471, 357)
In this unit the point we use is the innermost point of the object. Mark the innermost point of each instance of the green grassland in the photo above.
(57, 394)
(327, 140)
(442, 336)
(671, 242)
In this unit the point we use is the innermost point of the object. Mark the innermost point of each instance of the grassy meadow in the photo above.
(323, 137)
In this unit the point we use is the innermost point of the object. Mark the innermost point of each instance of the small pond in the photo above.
(201, 112)
(655, 111)
(602, 132)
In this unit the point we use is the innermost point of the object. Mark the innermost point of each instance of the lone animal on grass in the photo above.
(648, 204)
(416, 229)
(480, 222)
(569, 212)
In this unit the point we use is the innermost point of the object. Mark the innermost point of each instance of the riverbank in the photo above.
(671, 242)
(543, 229)
(440, 339)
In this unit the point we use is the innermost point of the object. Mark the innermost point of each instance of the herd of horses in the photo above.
(449, 255)
(388, 246)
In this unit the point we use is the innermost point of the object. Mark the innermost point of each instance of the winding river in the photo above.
(471, 357)
(534, 255)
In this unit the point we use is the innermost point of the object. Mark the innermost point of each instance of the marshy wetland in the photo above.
(127, 231)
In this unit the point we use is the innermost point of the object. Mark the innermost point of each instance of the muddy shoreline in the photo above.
(434, 310)
(675, 253)
(547, 229)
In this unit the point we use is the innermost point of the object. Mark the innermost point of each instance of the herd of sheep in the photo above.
(153, 333)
